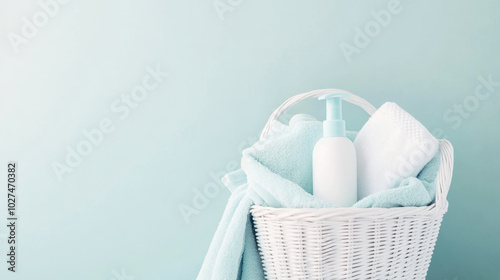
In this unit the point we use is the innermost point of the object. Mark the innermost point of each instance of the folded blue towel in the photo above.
(277, 171)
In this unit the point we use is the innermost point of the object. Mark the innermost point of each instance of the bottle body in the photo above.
(334, 171)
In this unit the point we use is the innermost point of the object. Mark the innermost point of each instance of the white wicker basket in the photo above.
(351, 243)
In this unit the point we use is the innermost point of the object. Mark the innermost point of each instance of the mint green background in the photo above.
(120, 208)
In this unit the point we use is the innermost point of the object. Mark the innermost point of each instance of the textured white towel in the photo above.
(390, 147)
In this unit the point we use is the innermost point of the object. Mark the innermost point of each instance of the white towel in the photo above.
(390, 147)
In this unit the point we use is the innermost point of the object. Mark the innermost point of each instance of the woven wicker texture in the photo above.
(351, 243)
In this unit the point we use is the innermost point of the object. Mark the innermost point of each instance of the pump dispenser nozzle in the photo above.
(334, 126)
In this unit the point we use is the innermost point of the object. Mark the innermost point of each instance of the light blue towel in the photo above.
(277, 172)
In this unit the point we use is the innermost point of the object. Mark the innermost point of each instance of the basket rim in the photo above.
(430, 211)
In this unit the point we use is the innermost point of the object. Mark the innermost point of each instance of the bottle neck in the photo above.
(334, 128)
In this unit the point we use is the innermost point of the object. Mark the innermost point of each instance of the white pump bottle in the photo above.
(334, 158)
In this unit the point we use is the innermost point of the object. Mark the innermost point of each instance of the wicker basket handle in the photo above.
(354, 99)
(444, 175)
(445, 171)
